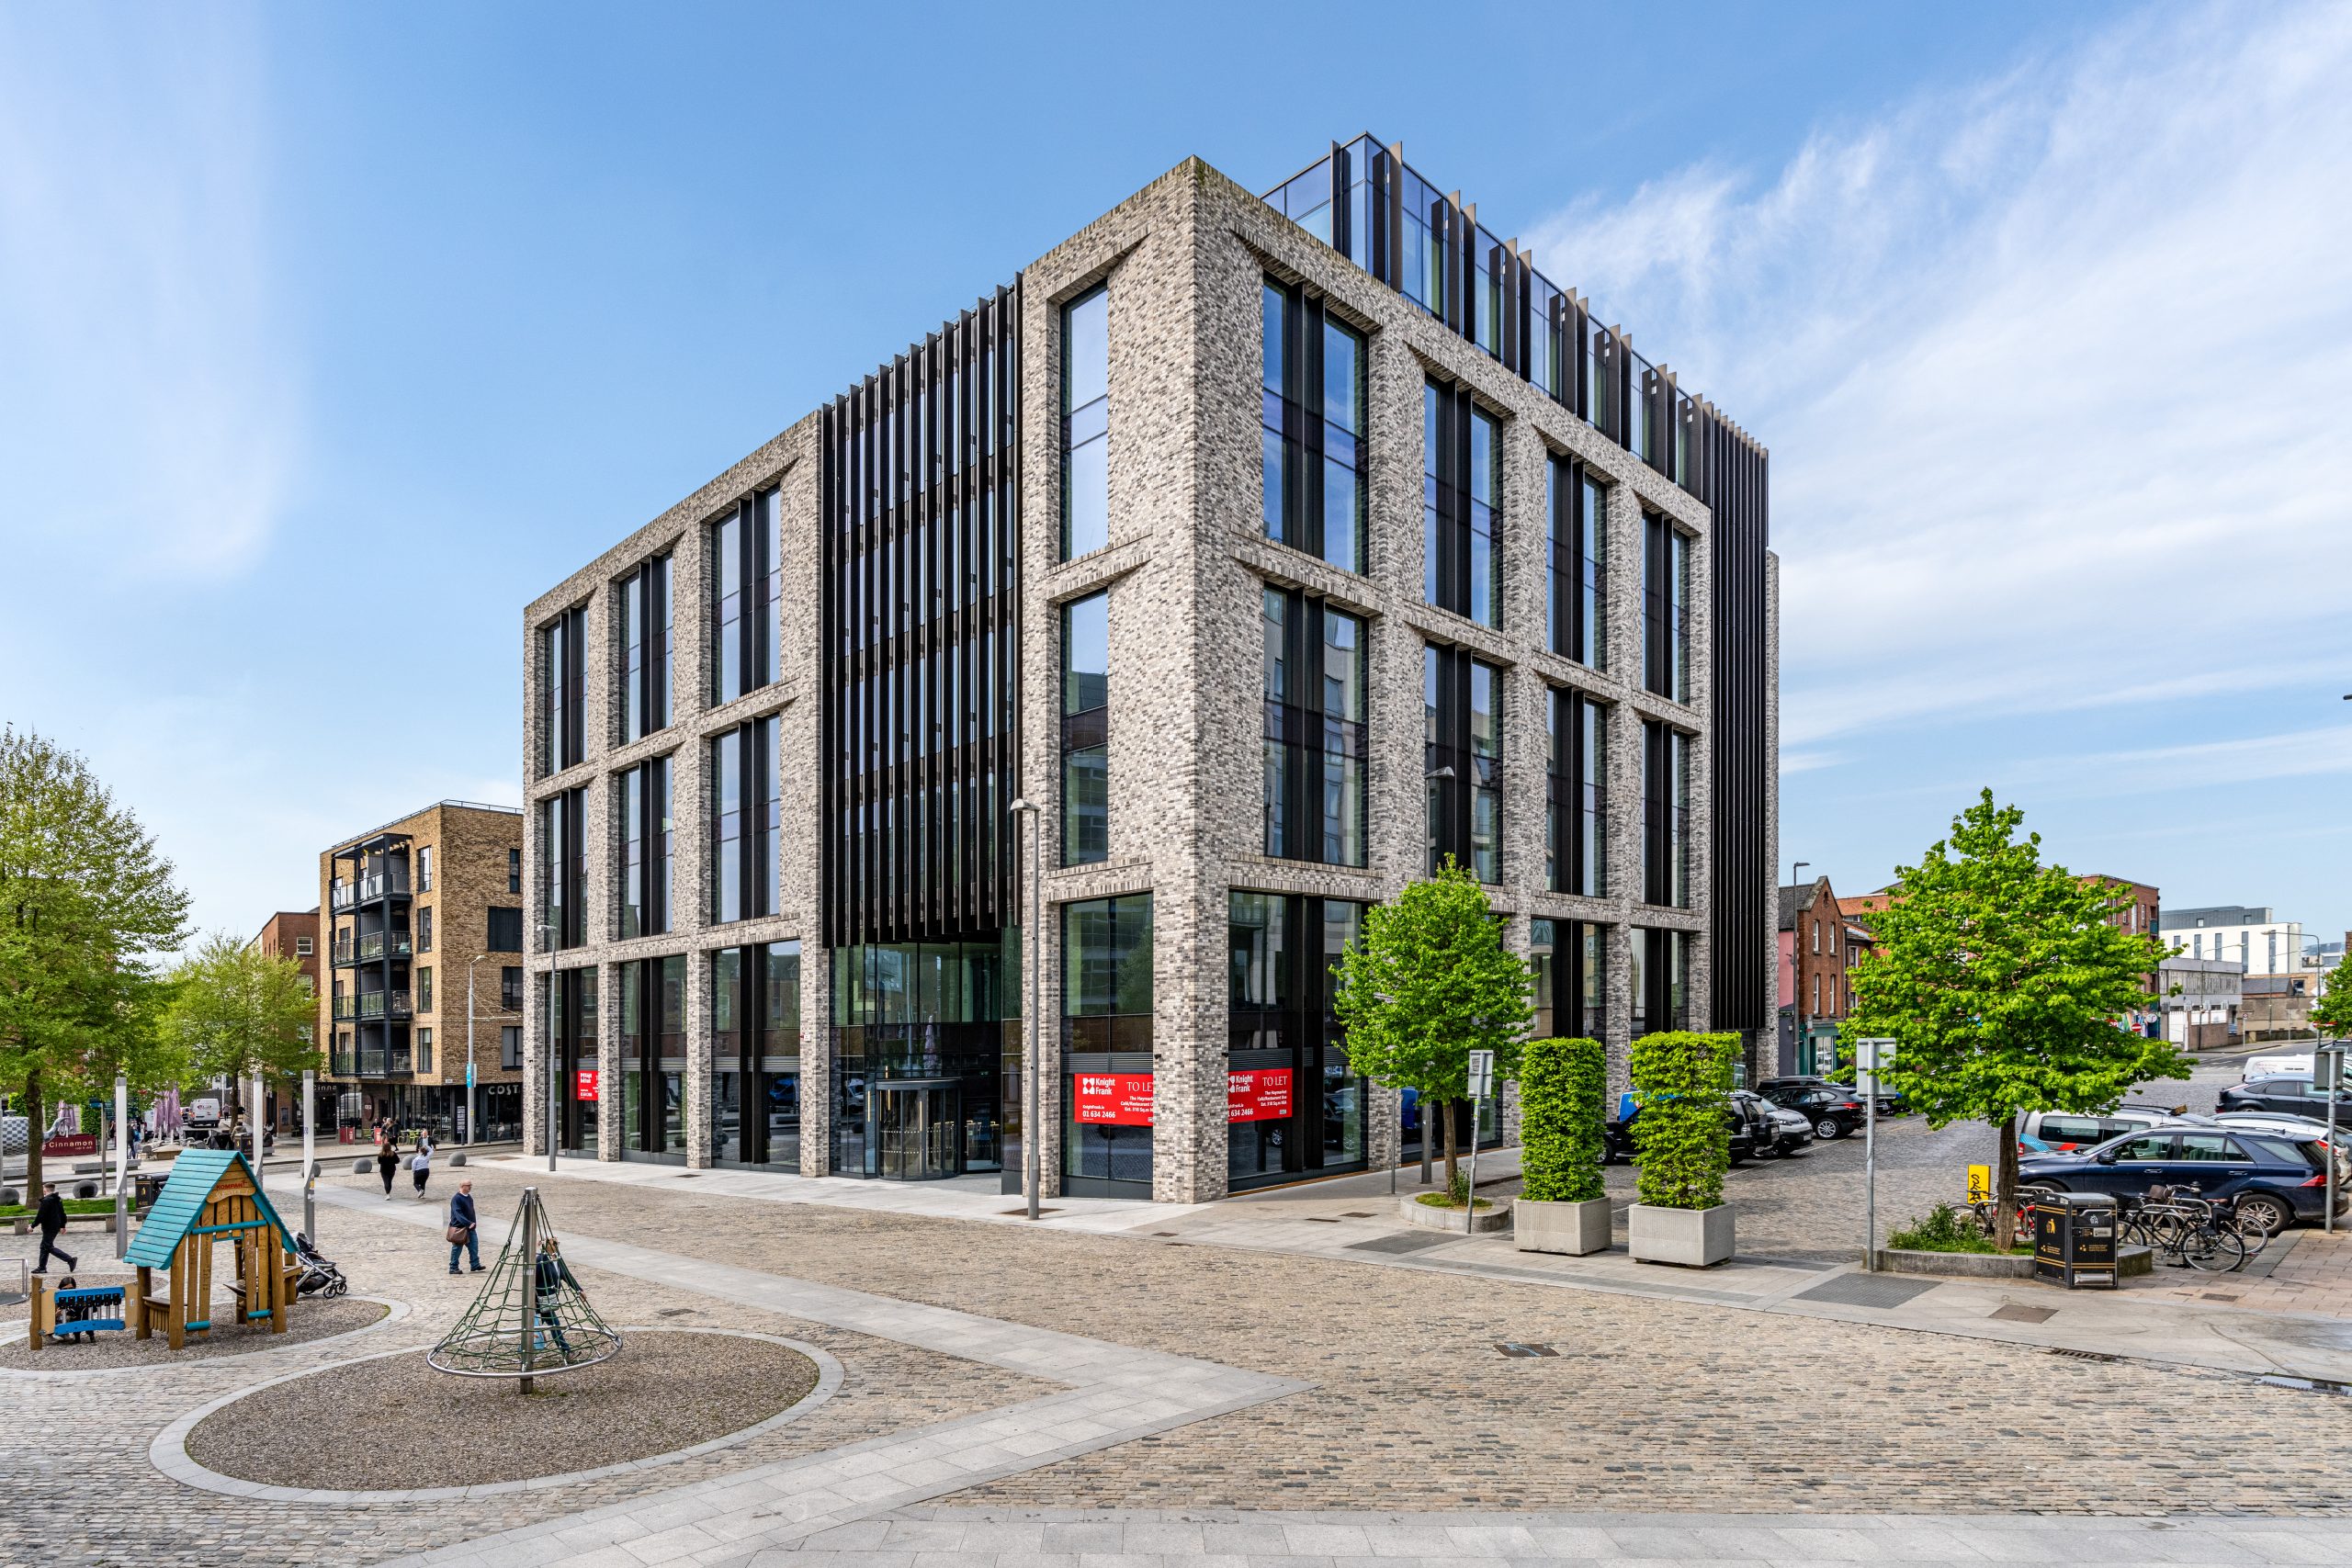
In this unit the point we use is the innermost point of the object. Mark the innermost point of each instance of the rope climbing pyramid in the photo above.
(532, 1319)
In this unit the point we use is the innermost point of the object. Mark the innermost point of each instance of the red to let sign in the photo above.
(1261, 1094)
(585, 1084)
(1115, 1099)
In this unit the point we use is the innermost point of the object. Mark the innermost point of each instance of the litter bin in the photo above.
(2074, 1239)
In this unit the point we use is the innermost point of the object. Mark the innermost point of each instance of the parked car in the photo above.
(2287, 1094)
(1890, 1103)
(1777, 1131)
(2273, 1177)
(1617, 1133)
(1832, 1110)
(2069, 1131)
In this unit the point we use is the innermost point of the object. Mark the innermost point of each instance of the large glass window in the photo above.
(1086, 713)
(1461, 504)
(653, 1056)
(1660, 979)
(1107, 1040)
(1577, 821)
(746, 815)
(746, 585)
(1315, 742)
(564, 870)
(643, 600)
(1463, 760)
(1665, 810)
(562, 647)
(1666, 608)
(1312, 425)
(939, 1012)
(571, 1036)
(1579, 521)
(1292, 1106)
(643, 807)
(1085, 423)
(1571, 977)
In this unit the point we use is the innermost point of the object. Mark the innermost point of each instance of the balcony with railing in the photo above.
(371, 946)
(373, 1005)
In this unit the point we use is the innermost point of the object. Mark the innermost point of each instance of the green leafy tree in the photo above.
(87, 909)
(1428, 982)
(2332, 1014)
(1682, 1137)
(2004, 982)
(236, 1009)
(1563, 1098)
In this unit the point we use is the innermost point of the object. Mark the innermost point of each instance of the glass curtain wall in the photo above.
(1107, 1046)
(1463, 759)
(646, 632)
(747, 811)
(563, 869)
(1086, 729)
(645, 865)
(1315, 741)
(1577, 819)
(1312, 422)
(1461, 505)
(653, 1058)
(746, 602)
(1665, 811)
(1578, 510)
(572, 1032)
(1293, 1107)
(1666, 608)
(563, 645)
(923, 1012)
(755, 1056)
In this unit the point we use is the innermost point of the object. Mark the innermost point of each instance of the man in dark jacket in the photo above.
(52, 1225)
(461, 1218)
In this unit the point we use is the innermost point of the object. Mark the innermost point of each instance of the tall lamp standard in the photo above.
(1033, 1036)
(1796, 977)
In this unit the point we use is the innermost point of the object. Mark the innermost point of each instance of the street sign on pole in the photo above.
(1869, 1056)
(1482, 1074)
(1482, 1083)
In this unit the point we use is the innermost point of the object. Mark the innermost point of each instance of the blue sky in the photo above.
(329, 337)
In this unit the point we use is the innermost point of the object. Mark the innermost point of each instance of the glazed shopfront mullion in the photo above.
(1107, 1066)
(1293, 1107)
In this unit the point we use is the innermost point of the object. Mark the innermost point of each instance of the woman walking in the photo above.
(388, 1158)
(420, 1165)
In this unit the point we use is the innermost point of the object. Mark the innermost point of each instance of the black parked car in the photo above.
(2283, 1176)
(1834, 1111)
(1890, 1103)
(2287, 1094)
(1776, 1130)
(1617, 1134)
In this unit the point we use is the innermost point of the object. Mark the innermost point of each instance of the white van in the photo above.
(2264, 1067)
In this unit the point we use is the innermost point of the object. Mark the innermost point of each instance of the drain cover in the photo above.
(1512, 1348)
(1867, 1289)
(1407, 1242)
(2217, 1296)
(2083, 1355)
(2025, 1315)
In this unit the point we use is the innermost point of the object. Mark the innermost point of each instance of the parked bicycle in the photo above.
(2191, 1231)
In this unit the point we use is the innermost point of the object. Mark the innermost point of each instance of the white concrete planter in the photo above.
(1473, 1222)
(1695, 1238)
(1571, 1228)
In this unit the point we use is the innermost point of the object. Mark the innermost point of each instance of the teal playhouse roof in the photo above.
(179, 1208)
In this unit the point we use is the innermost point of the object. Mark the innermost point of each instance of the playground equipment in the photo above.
(70, 1312)
(210, 1198)
(531, 1319)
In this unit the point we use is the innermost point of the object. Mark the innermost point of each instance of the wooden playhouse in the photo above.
(210, 1199)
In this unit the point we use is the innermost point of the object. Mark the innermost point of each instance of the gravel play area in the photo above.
(398, 1424)
(310, 1320)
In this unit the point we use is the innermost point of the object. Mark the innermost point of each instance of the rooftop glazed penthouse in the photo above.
(1274, 549)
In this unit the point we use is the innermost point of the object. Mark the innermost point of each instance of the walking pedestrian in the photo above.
(420, 1165)
(388, 1159)
(52, 1225)
(462, 1231)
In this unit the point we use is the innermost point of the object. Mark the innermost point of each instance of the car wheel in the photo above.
(1827, 1127)
(2267, 1210)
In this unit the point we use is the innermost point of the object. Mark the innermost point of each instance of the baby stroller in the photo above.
(320, 1277)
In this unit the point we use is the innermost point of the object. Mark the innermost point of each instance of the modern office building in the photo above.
(424, 957)
(1239, 559)
(2250, 934)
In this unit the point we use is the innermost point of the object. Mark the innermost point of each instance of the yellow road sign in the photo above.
(1980, 1183)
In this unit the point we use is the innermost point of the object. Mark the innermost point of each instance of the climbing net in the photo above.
(532, 1319)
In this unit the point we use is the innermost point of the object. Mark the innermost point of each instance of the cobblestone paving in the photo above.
(80, 1489)
(1647, 1404)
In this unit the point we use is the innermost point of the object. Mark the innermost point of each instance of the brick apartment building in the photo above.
(293, 933)
(413, 907)
(1819, 945)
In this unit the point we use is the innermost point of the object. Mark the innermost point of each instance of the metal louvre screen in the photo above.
(919, 474)
(1738, 495)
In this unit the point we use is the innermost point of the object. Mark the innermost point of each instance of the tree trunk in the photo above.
(1445, 1113)
(2005, 1187)
(36, 1120)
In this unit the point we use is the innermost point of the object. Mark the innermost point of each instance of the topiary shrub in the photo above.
(1563, 1092)
(1682, 1137)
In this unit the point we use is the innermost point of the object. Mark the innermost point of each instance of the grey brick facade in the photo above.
(1187, 556)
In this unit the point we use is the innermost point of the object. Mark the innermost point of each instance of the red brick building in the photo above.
(292, 933)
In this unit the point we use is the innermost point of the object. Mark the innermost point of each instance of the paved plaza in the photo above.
(1294, 1378)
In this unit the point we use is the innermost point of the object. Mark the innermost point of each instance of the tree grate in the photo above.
(1516, 1349)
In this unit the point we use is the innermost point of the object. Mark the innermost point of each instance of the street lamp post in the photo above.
(1033, 1034)
(470, 1045)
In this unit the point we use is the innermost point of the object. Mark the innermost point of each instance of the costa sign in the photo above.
(1113, 1099)
(1263, 1095)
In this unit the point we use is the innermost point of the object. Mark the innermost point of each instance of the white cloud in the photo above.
(2042, 364)
(148, 422)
